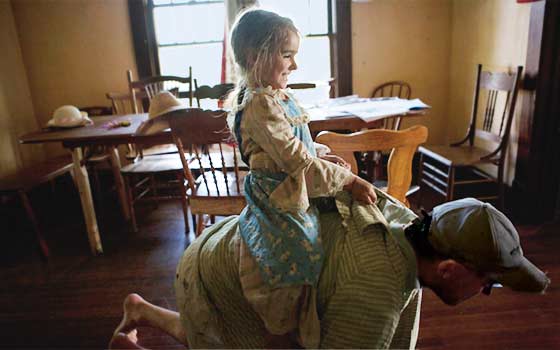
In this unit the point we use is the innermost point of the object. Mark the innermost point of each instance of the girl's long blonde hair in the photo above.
(256, 38)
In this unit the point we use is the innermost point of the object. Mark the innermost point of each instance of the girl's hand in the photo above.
(336, 160)
(361, 190)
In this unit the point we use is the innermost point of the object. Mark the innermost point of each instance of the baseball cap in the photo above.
(477, 233)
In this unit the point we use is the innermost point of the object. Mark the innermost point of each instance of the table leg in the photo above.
(82, 180)
(119, 182)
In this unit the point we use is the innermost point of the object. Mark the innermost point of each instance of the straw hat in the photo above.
(68, 117)
(164, 102)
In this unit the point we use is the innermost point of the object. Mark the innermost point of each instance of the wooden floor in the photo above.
(74, 300)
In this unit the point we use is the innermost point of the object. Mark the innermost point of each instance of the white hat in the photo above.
(164, 102)
(68, 117)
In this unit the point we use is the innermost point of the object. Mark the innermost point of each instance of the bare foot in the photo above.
(125, 341)
(132, 316)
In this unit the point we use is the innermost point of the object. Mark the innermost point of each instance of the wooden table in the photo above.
(98, 134)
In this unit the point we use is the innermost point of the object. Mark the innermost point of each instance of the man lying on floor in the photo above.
(377, 258)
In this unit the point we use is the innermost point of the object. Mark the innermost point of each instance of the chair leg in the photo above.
(184, 203)
(450, 184)
(130, 199)
(199, 224)
(31, 215)
(195, 224)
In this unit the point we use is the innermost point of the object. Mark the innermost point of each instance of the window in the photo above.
(311, 17)
(190, 33)
(171, 35)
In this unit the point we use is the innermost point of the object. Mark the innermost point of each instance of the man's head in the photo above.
(476, 246)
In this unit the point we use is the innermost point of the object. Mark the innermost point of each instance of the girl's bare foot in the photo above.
(132, 316)
(125, 341)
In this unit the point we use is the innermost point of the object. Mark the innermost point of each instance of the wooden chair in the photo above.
(375, 163)
(140, 175)
(403, 145)
(121, 103)
(97, 111)
(217, 92)
(395, 88)
(150, 87)
(213, 177)
(444, 168)
(30, 177)
(141, 184)
(153, 85)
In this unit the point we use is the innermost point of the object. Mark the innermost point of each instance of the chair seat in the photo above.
(160, 149)
(153, 151)
(154, 164)
(456, 156)
(36, 174)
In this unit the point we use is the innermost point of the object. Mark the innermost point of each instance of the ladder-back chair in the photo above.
(397, 88)
(403, 145)
(217, 92)
(153, 85)
(150, 87)
(121, 102)
(443, 168)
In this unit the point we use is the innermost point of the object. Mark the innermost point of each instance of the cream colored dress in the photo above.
(281, 254)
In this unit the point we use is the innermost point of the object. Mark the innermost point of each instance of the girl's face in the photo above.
(285, 62)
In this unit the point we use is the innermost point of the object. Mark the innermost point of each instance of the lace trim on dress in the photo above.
(276, 94)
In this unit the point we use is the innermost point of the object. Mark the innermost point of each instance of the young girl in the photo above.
(276, 239)
(281, 254)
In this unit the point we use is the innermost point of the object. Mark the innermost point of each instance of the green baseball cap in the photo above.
(475, 232)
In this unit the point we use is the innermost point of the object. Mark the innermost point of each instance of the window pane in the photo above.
(309, 16)
(318, 17)
(313, 60)
(206, 62)
(185, 24)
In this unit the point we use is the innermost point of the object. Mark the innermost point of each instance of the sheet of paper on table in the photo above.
(368, 109)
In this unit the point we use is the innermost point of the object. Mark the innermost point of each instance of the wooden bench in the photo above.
(24, 180)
